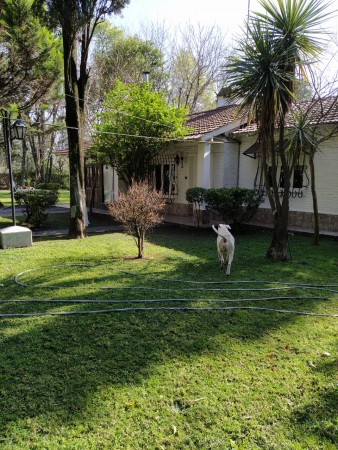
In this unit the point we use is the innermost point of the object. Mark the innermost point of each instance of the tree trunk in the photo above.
(140, 244)
(314, 203)
(280, 209)
(279, 244)
(74, 122)
(35, 156)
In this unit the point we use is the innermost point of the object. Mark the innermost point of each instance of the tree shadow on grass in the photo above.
(320, 417)
(52, 366)
(55, 365)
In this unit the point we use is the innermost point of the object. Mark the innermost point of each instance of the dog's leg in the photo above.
(229, 261)
(220, 258)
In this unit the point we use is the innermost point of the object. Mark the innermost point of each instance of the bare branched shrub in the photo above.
(139, 210)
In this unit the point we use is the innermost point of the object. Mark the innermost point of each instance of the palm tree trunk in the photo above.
(279, 244)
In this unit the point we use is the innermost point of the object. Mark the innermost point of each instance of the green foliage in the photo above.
(31, 58)
(35, 202)
(195, 195)
(235, 205)
(135, 126)
(48, 186)
(280, 44)
(133, 54)
(61, 179)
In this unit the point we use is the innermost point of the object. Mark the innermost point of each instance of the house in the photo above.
(221, 151)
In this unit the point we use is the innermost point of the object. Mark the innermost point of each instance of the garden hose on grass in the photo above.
(281, 286)
(167, 308)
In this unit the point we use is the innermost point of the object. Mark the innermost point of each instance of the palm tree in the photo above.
(270, 63)
(307, 134)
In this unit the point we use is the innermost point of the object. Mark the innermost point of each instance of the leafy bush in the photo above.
(195, 196)
(48, 186)
(61, 179)
(35, 203)
(235, 205)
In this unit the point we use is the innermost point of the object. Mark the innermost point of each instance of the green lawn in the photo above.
(55, 221)
(168, 379)
(5, 197)
(63, 197)
(60, 221)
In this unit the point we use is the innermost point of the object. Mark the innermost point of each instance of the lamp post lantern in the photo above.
(19, 129)
(146, 76)
(19, 132)
(13, 236)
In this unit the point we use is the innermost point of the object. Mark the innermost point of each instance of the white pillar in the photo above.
(203, 165)
(115, 193)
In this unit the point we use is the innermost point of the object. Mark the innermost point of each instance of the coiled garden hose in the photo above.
(332, 288)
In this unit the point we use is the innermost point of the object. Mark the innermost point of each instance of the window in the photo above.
(93, 176)
(164, 179)
(298, 177)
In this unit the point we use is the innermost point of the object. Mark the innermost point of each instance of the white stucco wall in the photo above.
(217, 166)
(231, 164)
(326, 169)
(186, 175)
(247, 165)
(223, 160)
(110, 184)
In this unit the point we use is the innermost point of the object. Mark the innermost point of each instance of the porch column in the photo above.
(203, 165)
(115, 193)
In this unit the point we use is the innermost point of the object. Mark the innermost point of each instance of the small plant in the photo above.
(138, 210)
(195, 196)
(35, 203)
(235, 205)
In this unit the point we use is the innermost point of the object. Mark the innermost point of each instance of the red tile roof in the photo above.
(323, 111)
(207, 121)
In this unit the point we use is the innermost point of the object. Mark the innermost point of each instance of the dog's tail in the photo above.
(219, 234)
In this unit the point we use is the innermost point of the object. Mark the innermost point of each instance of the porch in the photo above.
(206, 222)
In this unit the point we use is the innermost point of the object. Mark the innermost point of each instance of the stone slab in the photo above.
(15, 236)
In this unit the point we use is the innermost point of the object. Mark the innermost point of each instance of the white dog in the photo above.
(225, 243)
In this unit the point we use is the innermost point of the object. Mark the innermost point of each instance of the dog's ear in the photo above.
(228, 226)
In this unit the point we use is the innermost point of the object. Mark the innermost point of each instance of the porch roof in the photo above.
(206, 122)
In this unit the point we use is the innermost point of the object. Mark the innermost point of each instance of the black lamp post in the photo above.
(19, 132)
